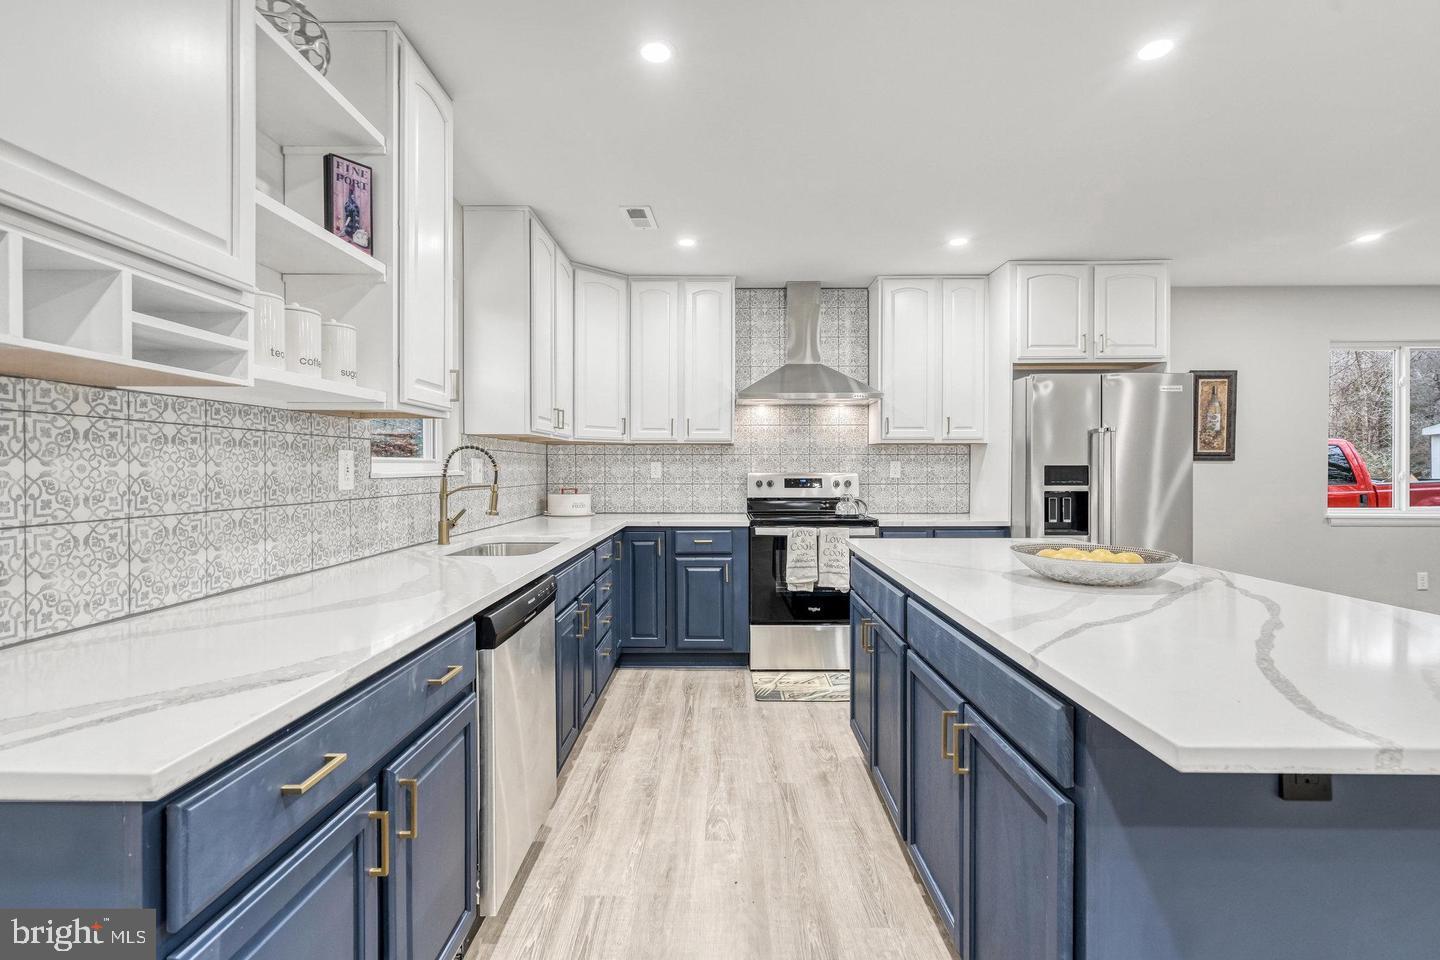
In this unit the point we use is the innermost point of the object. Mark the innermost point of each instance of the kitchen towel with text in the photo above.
(801, 566)
(834, 560)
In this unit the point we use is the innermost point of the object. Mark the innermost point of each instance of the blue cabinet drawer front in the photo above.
(906, 533)
(972, 533)
(218, 831)
(702, 541)
(604, 618)
(605, 587)
(574, 578)
(887, 600)
(605, 554)
(1036, 722)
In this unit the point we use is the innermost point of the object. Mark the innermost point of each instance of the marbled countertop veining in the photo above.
(1212, 672)
(133, 709)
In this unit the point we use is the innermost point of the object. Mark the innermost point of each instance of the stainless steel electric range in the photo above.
(793, 630)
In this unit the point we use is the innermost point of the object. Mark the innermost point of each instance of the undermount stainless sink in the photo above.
(505, 548)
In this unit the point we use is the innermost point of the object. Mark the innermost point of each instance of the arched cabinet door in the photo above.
(909, 358)
(709, 360)
(654, 359)
(1132, 311)
(1053, 311)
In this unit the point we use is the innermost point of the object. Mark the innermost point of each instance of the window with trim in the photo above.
(404, 446)
(1383, 456)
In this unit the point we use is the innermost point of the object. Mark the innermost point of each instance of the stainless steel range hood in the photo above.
(803, 378)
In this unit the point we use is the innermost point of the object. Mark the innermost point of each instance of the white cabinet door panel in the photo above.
(542, 331)
(963, 397)
(602, 356)
(427, 299)
(709, 344)
(909, 358)
(1132, 311)
(564, 344)
(1053, 311)
(654, 359)
(136, 126)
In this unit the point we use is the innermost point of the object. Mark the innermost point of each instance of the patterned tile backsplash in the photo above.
(114, 502)
(932, 478)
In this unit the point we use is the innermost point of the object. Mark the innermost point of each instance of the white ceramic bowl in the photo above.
(1094, 573)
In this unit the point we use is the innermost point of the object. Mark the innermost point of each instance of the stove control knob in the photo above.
(847, 484)
(769, 483)
(758, 483)
(836, 483)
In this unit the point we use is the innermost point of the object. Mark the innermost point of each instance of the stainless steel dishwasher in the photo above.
(516, 654)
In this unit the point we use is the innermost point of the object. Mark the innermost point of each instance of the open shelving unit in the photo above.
(288, 243)
(66, 314)
(296, 105)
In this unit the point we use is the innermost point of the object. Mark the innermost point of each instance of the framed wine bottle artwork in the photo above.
(347, 201)
(1214, 414)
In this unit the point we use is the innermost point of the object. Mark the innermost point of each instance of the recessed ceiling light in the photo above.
(656, 52)
(1369, 237)
(685, 242)
(959, 241)
(1155, 49)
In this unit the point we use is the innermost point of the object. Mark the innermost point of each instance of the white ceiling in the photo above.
(836, 139)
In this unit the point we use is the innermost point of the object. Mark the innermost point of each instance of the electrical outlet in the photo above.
(1422, 579)
(477, 470)
(345, 470)
(1306, 787)
(654, 469)
(894, 469)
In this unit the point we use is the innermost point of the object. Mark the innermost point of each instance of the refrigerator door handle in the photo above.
(1107, 493)
(1097, 487)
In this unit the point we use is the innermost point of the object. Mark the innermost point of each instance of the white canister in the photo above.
(568, 505)
(302, 340)
(339, 353)
(269, 330)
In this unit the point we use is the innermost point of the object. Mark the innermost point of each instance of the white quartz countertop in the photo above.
(937, 520)
(132, 710)
(1210, 671)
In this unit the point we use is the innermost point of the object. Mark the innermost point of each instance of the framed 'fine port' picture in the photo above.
(1214, 414)
(347, 201)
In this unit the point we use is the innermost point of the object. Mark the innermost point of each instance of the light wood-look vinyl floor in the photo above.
(694, 822)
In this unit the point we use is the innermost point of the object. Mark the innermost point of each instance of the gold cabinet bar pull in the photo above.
(946, 716)
(332, 763)
(727, 572)
(414, 787)
(698, 540)
(450, 674)
(384, 869)
(958, 756)
(865, 624)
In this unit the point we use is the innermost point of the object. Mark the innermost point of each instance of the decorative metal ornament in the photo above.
(306, 33)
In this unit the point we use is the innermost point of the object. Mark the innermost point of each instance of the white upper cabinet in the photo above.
(1132, 311)
(519, 326)
(905, 359)
(963, 351)
(544, 413)
(1053, 305)
(563, 376)
(427, 298)
(135, 126)
(602, 356)
(709, 346)
(1091, 312)
(655, 359)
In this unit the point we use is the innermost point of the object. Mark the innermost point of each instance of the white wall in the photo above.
(1264, 513)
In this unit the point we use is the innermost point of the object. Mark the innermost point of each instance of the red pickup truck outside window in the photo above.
(1352, 486)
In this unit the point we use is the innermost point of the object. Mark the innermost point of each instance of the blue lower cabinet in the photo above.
(586, 689)
(567, 681)
(934, 792)
(704, 603)
(1019, 843)
(320, 901)
(887, 749)
(862, 674)
(430, 793)
(643, 611)
(909, 533)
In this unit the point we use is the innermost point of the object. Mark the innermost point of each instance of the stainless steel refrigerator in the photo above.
(1104, 457)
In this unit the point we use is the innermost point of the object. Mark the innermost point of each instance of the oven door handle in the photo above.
(785, 531)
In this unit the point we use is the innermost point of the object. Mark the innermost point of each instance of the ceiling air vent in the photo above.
(640, 217)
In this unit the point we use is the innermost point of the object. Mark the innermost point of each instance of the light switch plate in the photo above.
(654, 469)
(894, 469)
(345, 470)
